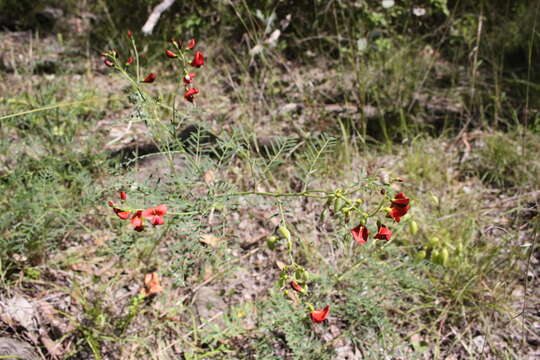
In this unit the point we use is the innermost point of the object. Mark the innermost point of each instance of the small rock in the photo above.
(290, 108)
(20, 310)
(11, 349)
(479, 342)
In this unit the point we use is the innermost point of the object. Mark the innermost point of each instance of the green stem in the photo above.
(50, 107)
(300, 194)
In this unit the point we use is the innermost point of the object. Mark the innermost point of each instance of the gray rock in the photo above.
(11, 349)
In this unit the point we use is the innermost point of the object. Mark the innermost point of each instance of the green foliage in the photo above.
(506, 161)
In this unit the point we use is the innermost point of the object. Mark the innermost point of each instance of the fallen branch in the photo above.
(154, 16)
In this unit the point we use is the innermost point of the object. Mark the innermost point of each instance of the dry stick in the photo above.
(154, 16)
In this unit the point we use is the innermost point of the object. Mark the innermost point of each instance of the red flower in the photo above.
(188, 95)
(396, 212)
(130, 34)
(296, 287)
(191, 44)
(119, 212)
(170, 54)
(129, 61)
(198, 60)
(318, 316)
(360, 234)
(384, 233)
(156, 214)
(108, 62)
(400, 200)
(399, 207)
(150, 78)
(123, 195)
(188, 79)
(137, 221)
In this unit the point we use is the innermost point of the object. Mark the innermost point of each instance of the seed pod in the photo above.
(420, 255)
(444, 257)
(436, 257)
(459, 248)
(338, 205)
(413, 227)
(435, 199)
(434, 241)
(271, 242)
(284, 232)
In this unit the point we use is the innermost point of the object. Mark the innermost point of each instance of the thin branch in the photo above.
(154, 16)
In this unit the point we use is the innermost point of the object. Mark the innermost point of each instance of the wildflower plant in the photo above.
(369, 222)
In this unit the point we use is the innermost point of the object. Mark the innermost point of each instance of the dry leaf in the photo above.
(151, 284)
(207, 272)
(209, 177)
(54, 349)
(211, 240)
(19, 310)
(46, 312)
(87, 268)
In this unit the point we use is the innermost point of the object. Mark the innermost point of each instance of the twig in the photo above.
(154, 16)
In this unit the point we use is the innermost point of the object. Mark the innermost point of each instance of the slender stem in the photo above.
(300, 194)
(138, 68)
(50, 107)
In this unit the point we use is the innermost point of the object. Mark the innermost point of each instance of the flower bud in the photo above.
(150, 78)
(284, 232)
(108, 62)
(170, 54)
(130, 34)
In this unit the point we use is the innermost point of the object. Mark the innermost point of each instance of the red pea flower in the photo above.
(150, 78)
(384, 233)
(400, 200)
(360, 234)
(156, 214)
(399, 207)
(188, 79)
(123, 195)
(129, 61)
(137, 221)
(119, 212)
(188, 95)
(198, 60)
(318, 316)
(130, 34)
(191, 44)
(396, 212)
(296, 287)
(108, 62)
(170, 54)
